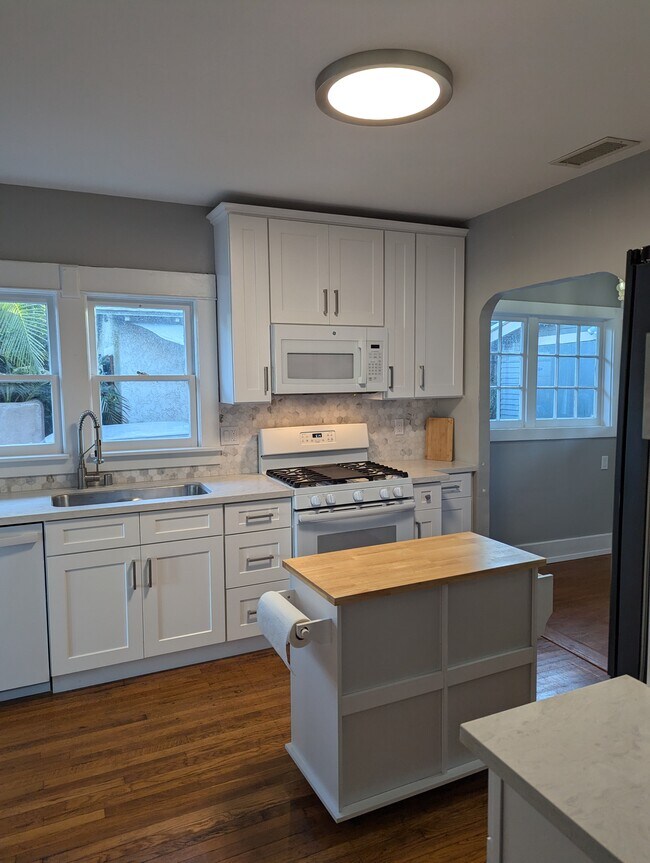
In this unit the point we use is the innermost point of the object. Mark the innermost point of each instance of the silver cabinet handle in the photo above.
(260, 559)
(251, 616)
(266, 379)
(325, 302)
(391, 376)
(421, 377)
(336, 302)
(134, 580)
(150, 563)
(455, 487)
(259, 516)
(418, 527)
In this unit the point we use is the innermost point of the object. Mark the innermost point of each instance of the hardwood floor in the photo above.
(189, 766)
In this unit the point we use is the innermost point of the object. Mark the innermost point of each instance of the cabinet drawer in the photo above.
(257, 515)
(241, 608)
(256, 558)
(427, 496)
(90, 534)
(460, 485)
(170, 524)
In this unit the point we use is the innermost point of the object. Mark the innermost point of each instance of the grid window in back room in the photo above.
(507, 346)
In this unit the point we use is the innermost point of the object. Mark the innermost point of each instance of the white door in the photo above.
(299, 272)
(243, 313)
(356, 258)
(399, 283)
(457, 515)
(183, 588)
(95, 609)
(439, 308)
(428, 522)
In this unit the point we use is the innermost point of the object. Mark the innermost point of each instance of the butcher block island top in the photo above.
(354, 574)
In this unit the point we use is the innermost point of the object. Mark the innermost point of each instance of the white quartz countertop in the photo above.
(583, 761)
(427, 470)
(37, 506)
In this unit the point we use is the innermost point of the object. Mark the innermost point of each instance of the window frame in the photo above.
(532, 428)
(30, 451)
(154, 443)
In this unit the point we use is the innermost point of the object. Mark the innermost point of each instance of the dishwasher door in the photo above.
(24, 659)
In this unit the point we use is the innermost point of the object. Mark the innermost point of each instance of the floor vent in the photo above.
(597, 150)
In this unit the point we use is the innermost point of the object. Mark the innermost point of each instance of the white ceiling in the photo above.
(196, 101)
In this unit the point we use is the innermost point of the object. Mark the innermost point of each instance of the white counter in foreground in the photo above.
(569, 776)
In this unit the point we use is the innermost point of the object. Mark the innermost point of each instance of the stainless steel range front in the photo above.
(340, 499)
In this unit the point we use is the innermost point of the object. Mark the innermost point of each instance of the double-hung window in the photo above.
(553, 370)
(143, 373)
(30, 406)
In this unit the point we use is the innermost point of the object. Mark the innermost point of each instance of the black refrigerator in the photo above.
(628, 625)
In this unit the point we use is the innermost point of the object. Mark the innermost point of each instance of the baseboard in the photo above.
(573, 548)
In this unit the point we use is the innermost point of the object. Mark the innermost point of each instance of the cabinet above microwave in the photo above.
(293, 268)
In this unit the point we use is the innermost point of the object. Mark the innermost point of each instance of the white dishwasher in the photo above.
(24, 660)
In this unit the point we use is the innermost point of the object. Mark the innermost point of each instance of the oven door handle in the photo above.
(361, 512)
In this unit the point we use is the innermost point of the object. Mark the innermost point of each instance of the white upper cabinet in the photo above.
(439, 306)
(299, 272)
(322, 274)
(356, 276)
(242, 268)
(399, 251)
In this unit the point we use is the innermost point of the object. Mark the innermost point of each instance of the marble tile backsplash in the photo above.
(283, 411)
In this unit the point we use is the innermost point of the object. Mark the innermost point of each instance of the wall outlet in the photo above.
(604, 462)
(229, 435)
(399, 426)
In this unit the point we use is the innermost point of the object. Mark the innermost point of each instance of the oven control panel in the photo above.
(317, 437)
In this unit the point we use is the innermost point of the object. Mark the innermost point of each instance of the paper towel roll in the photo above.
(277, 617)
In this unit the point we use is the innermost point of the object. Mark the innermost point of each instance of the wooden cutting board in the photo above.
(439, 443)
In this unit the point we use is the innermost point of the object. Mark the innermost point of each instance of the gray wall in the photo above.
(583, 226)
(597, 289)
(103, 231)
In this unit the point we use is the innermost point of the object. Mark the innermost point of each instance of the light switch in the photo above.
(399, 426)
(229, 435)
(604, 462)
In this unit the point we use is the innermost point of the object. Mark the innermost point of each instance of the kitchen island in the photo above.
(569, 776)
(423, 635)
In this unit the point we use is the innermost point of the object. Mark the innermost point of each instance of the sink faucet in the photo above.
(84, 478)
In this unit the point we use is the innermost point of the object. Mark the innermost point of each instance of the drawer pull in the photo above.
(134, 580)
(17, 539)
(266, 516)
(418, 527)
(455, 487)
(260, 559)
(251, 616)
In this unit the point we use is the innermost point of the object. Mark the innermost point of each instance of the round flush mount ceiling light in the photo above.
(384, 87)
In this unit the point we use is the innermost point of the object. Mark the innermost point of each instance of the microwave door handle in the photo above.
(362, 379)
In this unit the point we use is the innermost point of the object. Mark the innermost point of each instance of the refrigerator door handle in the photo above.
(645, 429)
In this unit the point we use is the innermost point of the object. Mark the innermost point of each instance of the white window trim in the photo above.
(611, 319)
(71, 286)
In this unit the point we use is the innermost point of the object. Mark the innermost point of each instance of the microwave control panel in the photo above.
(375, 362)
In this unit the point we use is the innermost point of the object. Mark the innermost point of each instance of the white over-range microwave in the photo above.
(328, 359)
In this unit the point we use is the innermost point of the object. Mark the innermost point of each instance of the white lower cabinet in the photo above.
(241, 608)
(95, 609)
(428, 515)
(457, 503)
(183, 595)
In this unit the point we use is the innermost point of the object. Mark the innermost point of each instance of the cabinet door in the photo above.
(399, 284)
(428, 522)
(94, 604)
(356, 276)
(439, 308)
(299, 272)
(242, 264)
(183, 589)
(457, 515)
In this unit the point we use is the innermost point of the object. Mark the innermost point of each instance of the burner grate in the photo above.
(335, 474)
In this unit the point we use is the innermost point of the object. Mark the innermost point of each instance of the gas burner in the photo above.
(335, 474)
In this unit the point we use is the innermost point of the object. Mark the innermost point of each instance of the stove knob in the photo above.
(330, 499)
(397, 491)
(384, 493)
(358, 496)
(316, 500)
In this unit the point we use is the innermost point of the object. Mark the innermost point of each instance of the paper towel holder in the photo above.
(310, 630)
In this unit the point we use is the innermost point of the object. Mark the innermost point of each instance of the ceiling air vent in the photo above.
(597, 150)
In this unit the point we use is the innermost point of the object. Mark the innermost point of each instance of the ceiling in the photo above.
(196, 101)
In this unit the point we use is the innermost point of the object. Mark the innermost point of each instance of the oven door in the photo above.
(353, 527)
(317, 359)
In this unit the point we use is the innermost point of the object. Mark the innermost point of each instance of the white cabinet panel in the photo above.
(399, 300)
(241, 607)
(95, 609)
(257, 515)
(356, 257)
(457, 515)
(299, 272)
(428, 522)
(175, 524)
(459, 485)
(255, 558)
(242, 266)
(183, 595)
(90, 534)
(439, 308)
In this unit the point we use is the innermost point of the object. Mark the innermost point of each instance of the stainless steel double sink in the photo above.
(127, 495)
